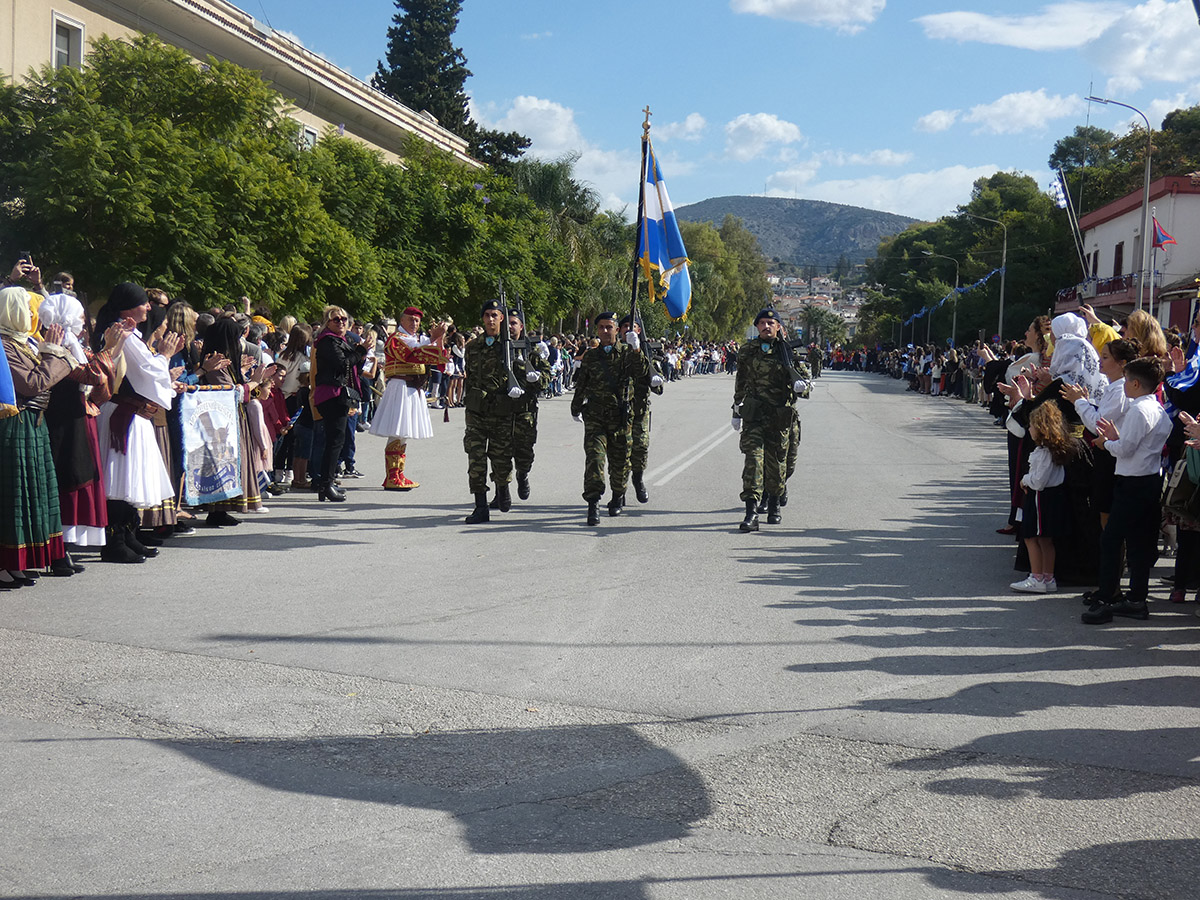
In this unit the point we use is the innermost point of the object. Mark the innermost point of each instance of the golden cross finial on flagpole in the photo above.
(646, 124)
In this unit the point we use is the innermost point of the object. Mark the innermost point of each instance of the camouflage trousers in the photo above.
(601, 439)
(793, 450)
(639, 453)
(765, 445)
(488, 438)
(524, 437)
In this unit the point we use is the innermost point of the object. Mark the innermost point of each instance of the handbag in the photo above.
(1180, 495)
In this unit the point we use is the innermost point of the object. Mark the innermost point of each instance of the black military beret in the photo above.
(491, 304)
(606, 315)
(768, 313)
(626, 320)
(516, 314)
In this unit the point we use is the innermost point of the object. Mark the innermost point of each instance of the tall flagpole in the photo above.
(1073, 220)
(1153, 256)
(641, 219)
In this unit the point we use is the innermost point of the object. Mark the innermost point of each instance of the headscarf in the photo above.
(16, 318)
(1075, 360)
(125, 295)
(67, 311)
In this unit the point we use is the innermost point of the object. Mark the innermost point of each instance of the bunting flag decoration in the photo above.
(1161, 238)
(959, 290)
(660, 245)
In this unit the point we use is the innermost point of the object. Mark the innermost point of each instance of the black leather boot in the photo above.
(329, 491)
(639, 487)
(783, 499)
(750, 523)
(773, 517)
(593, 514)
(480, 513)
(523, 485)
(132, 542)
(762, 504)
(616, 504)
(115, 551)
(504, 498)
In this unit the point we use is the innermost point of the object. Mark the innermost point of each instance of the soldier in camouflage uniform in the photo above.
(489, 431)
(603, 392)
(533, 373)
(639, 412)
(768, 382)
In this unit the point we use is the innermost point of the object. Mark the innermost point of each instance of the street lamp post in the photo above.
(954, 327)
(1003, 267)
(1146, 239)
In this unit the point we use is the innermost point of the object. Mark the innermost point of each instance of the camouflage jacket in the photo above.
(763, 380)
(522, 364)
(485, 390)
(605, 383)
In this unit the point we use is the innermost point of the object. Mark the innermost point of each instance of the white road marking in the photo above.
(658, 470)
(729, 432)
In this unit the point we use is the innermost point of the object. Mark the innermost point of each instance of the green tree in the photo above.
(426, 72)
(145, 166)
(1087, 145)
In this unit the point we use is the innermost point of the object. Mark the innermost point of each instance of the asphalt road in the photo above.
(374, 699)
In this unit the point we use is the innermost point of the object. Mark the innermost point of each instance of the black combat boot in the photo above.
(480, 513)
(750, 523)
(783, 499)
(762, 505)
(523, 485)
(773, 517)
(639, 487)
(616, 505)
(504, 497)
(593, 515)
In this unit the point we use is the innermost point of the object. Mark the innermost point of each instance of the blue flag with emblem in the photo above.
(660, 245)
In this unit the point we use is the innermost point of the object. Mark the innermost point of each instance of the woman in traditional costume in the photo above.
(30, 522)
(71, 420)
(135, 474)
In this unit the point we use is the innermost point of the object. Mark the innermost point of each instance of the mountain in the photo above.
(803, 231)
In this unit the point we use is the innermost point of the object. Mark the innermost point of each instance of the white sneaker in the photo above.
(1029, 586)
(1050, 586)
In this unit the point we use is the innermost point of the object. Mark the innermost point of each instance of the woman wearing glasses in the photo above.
(336, 391)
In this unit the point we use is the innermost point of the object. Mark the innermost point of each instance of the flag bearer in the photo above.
(639, 413)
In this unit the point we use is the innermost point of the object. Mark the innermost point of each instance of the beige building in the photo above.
(36, 32)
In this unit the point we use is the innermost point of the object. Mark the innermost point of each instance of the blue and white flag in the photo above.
(1058, 194)
(660, 246)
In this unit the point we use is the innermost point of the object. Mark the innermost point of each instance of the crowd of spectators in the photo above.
(1103, 449)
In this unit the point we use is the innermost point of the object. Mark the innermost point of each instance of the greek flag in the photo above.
(1058, 194)
(660, 246)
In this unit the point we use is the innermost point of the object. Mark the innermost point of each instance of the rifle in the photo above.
(506, 340)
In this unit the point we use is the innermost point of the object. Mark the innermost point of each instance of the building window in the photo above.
(1095, 263)
(68, 43)
(1119, 260)
(308, 137)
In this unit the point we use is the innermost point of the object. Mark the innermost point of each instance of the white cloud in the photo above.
(1058, 26)
(938, 120)
(847, 16)
(537, 36)
(1023, 111)
(751, 134)
(922, 195)
(876, 158)
(690, 129)
(1153, 41)
(554, 133)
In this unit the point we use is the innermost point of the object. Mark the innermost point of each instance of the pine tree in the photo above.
(425, 71)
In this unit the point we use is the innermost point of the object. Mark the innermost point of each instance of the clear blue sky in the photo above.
(893, 106)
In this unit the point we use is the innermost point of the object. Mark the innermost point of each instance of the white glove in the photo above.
(531, 377)
(578, 417)
(736, 423)
(516, 392)
(801, 386)
(656, 381)
(632, 339)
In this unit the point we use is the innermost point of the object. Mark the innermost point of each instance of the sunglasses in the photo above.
(339, 319)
